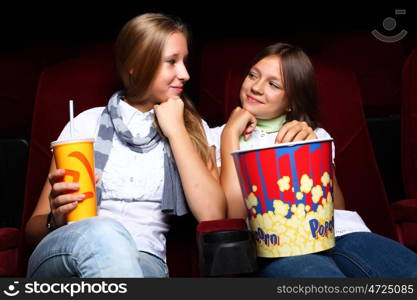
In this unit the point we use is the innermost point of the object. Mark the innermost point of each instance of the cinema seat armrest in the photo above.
(8, 238)
(404, 210)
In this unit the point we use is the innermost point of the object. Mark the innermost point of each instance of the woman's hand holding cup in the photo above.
(62, 198)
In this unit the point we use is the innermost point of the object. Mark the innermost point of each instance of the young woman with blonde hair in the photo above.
(153, 157)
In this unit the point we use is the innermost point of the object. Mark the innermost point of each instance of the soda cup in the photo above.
(76, 156)
(288, 192)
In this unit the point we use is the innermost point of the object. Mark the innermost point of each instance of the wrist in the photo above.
(177, 132)
(50, 222)
(230, 133)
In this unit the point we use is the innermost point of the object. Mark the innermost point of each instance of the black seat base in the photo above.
(227, 253)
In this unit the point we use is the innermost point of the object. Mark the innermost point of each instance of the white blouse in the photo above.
(132, 182)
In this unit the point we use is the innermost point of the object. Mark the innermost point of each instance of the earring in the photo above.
(289, 109)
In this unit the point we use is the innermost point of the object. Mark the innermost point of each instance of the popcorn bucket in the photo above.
(288, 191)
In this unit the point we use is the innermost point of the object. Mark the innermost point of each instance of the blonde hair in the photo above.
(139, 48)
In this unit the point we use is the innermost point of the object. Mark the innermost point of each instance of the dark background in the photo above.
(85, 22)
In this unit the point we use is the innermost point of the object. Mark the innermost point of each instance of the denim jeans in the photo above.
(358, 254)
(95, 248)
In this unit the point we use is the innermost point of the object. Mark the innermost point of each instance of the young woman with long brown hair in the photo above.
(154, 158)
(279, 99)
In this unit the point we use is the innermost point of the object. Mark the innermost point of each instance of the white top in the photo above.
(132, 182)
(344, 221)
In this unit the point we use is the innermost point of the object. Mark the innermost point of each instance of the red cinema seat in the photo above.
(19, 75)
(20, 70)
(405, 211)
(89, 81)
(409, 125)
(376, 64)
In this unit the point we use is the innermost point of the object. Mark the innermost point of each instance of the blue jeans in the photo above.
(359, 254)
(95, 248)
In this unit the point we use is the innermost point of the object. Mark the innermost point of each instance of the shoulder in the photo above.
(85, 124)
(322, 133)
(216, 132)
(92, 113)
(212, 134)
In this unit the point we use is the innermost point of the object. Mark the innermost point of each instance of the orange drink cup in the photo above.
(76, 156)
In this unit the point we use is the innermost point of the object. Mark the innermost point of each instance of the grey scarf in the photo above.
(173, 200)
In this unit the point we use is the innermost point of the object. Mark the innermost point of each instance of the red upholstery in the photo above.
(221, 225)
(8, 251)
(89, 83)
(376, 64)
(19, 75)
(8, 238)
(341, 115)
(18, 80)
(409, 125)
(405, 211)
(218, 60)
(86, 80)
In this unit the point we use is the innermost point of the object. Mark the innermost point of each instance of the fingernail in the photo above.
(81, 196)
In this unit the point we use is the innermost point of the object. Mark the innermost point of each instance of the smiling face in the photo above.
(172, 74)
(262, 92)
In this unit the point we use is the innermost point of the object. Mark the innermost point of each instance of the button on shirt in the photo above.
(132, 182)
(344, 221)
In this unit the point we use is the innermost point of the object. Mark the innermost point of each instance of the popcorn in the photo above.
(305, 230)
(325, 179)
(306, 183)
(284, 183)
(251, 201)
(317, 192)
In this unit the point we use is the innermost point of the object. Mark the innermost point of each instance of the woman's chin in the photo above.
(250, 109)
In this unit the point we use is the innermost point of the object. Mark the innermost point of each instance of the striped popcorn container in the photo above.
(288, 191)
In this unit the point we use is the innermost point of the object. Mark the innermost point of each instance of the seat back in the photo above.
(19, 75)
(409, 125)
(88, 80)
(340, 113)
(375, 63)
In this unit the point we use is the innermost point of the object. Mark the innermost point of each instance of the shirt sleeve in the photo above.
(216, 133)
(323, 134)
(208, 133)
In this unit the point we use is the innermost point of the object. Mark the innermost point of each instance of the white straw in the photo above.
(71, 111)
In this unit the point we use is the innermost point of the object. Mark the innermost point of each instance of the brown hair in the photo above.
(299, 81)
(139, 48)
